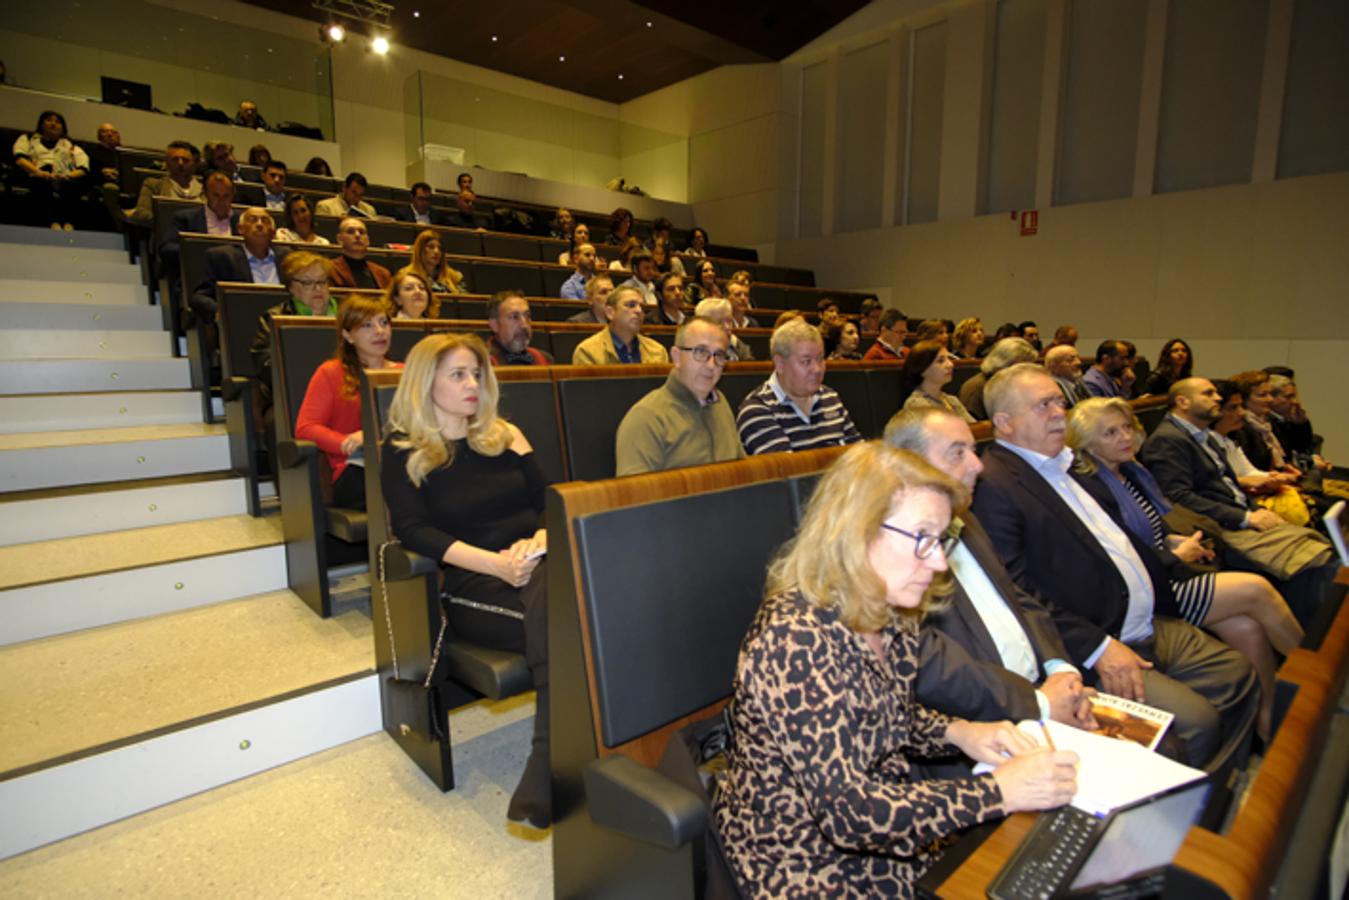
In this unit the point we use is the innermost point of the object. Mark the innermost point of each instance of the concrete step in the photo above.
(72, 316)
(64, 376)
(24, 343)
(28, 290)
(45, 237)
(32, 461)
(67, 264)
(100, 509)
(109, 409)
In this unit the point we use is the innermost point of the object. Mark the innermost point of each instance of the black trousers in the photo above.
(527, 634)
(349, 488)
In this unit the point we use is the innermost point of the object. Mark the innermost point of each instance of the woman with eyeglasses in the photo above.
(305, 276)
(820, 797)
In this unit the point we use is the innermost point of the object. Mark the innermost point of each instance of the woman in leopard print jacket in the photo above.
(817, 800)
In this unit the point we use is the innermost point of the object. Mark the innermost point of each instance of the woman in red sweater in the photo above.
(330, 415)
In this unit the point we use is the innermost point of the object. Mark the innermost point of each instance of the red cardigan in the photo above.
(326, 416)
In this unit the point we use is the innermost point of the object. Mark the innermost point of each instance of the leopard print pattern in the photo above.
(817, 801)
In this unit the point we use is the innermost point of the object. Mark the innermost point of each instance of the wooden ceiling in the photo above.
(613, 50)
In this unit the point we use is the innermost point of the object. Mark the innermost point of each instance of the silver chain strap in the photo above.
(388, 622)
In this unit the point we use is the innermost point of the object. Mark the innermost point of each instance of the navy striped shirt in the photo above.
(770, 423)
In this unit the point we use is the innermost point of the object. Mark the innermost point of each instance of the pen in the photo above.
(1048, 739)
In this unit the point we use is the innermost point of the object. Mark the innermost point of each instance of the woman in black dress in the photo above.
(462, 486)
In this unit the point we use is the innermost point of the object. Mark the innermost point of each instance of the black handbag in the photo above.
(415, 705)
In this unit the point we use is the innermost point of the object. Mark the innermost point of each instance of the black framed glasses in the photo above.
(923, 543)
(702, 354)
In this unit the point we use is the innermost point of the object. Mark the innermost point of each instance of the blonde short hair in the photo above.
(414, 413)
(965, 328)
(828, 560)
(1087, 422)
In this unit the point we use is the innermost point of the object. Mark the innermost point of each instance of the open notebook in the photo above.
(1111, 772)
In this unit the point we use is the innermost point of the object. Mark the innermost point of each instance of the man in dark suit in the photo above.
(420, 210)
(255, 261)
(1061, 537)
(993, 652)
(1190, 465)
(217, 216)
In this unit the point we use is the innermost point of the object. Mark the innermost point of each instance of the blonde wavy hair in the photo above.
(391, 293)
(413, 412)
(1087, 422)
(828, 560)
(448, 274)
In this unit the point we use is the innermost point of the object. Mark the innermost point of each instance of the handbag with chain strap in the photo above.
(415, 705)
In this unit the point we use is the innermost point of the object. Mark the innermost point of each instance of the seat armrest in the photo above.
(642, 803)
(234, 387)
(401, 564)
(292, 454)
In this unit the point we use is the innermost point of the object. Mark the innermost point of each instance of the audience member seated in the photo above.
(462, 487)
(580, 234)
(643, 278)
(992, 651)
(624, 261)
(869, 322)
(660, 231)
(330, 415)
(927, 369)
(933, 330)
(563, 225)
(687, 421)
(1031, 333)
(420, 209)
(1003, 354)
(704, 285)
(256, 260)
(1192, 470)
(1128, 379)
(1065, 365)
(1103, 378)
(893, 327)
(574, 288)
(670, 309)
(249, 117)
(218, 156)
(428, 261)
(827, 311)
(351, 202)
(622, 341)
(697, 243)
(1006, 330)
(317, 165)
(305, 276)
(719, 310)
(1291, 425)
(737, 291)
(103, 157)
(841, 340)
(1275, 491)
(463, 182)
(54, 170)
(259, 155)
(301, 218)
(665, 260)
(408, 296)
(512, 328)
(351, 269)
(462, 214)
(274, 185)
(598, 288)
(216, 216)
(1064, 336)
(620, 227)
(786, 316)
(1059, 534)
(1256, 438)
(820, 798)
(1175, 362)
(1242, 608)
(968, 339)
(794, 410)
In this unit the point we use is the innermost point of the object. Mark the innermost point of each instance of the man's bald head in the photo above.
(1196, 401)
(1063, 362)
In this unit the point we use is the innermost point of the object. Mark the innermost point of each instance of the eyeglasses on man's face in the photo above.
(702, 355)
(924, 543)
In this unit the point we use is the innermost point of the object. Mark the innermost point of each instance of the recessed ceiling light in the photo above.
(648, 24)
(494, 38)
(620, 76)
(416, 14)
(380, 45)
(336, 32)
(562, 59)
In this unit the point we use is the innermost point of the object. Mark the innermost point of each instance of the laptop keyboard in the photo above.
(1048, 856)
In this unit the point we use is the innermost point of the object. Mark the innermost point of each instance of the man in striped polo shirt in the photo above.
(793, 410)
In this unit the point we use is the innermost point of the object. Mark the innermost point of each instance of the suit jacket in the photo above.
(194, 221)
(960, 672)
(336, 206)
(1049, 552)
(1189, 477)
(226, 263)
(342, 276)
(406, 214)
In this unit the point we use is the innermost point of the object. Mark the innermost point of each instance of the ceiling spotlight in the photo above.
(416, 14)
(336, 32)
(620, 76)
(562, 59)
(648, 25)
(380, 44)
(494, 38)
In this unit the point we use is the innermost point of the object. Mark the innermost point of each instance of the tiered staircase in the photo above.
(149, 648)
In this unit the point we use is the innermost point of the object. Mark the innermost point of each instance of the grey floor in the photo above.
(356, 821)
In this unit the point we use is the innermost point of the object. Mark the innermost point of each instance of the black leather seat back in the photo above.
(666, 621)
(488, 278)
(460, 243)
(505, 246)
(885, 388)
(532, 407)
(737, 385)
(564, 344)
(591, 411)
(238, 315)
(297, 351)
(851, 385)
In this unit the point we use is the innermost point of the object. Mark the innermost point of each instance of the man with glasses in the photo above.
(1061, 536)
(686, 421)
(992, 652)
